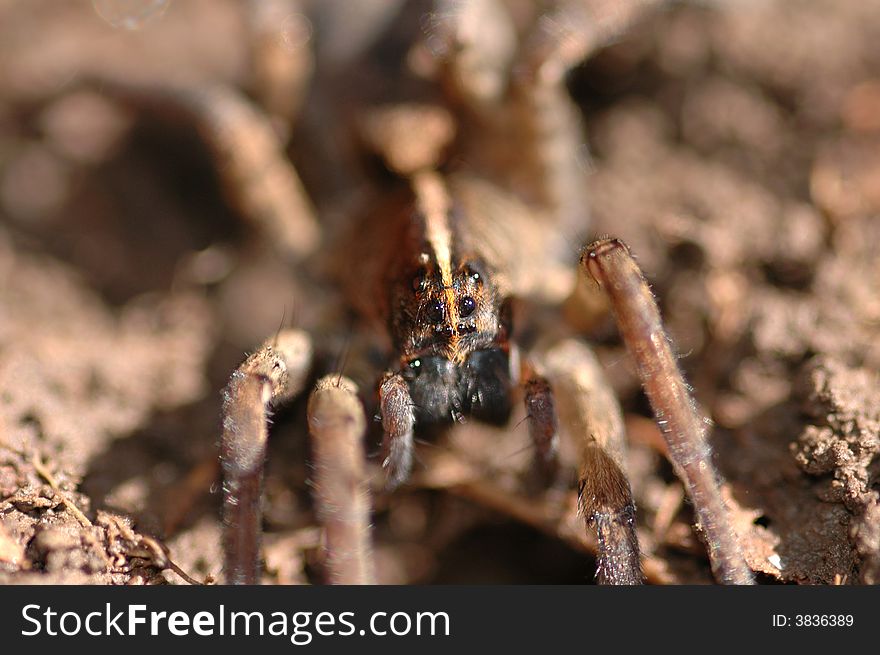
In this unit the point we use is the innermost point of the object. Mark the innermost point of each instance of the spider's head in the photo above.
(451, 328)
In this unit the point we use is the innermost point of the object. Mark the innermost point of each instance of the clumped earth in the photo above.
(734, 146)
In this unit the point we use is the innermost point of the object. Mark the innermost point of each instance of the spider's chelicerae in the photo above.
(486, 145)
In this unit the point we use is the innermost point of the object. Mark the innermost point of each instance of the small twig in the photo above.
(69, 504)
(670, 503)
(181, 498)
(188, 578)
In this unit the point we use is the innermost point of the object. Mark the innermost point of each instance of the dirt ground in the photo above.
(735, 146)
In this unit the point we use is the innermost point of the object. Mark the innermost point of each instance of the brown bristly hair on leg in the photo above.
(610, 263)
(271, 375)
(591, 415)
(340, 484)
(543, 426)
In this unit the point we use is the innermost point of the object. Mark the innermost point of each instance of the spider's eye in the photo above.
(473, 275)
(415, 364)
(436, 311)
(466, 306)
(420, 281)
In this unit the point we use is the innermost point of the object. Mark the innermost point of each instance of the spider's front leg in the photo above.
(270, 376)
(610, 264)
(580, 399)
(398, 422)
(337, 426)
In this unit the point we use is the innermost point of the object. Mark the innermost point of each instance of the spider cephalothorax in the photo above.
(450, 327)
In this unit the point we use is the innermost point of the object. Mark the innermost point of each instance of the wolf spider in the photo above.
(438, 268)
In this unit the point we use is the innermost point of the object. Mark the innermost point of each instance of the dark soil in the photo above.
(735, 148)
